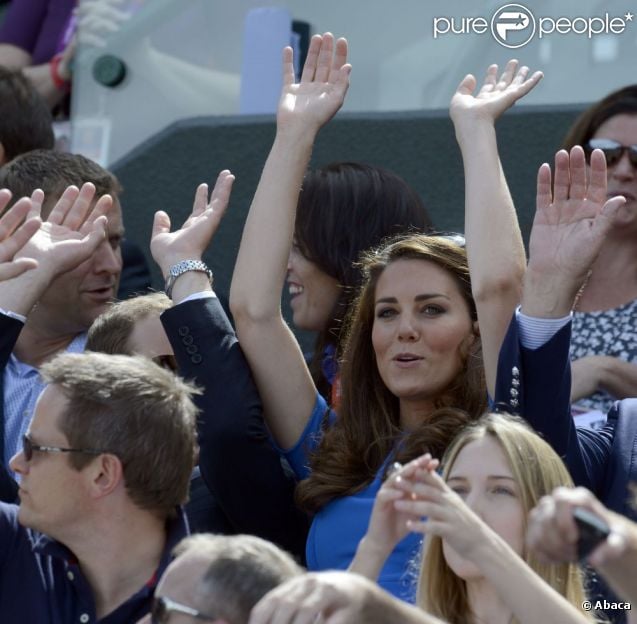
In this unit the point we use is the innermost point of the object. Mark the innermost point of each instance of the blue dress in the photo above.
(339, 526)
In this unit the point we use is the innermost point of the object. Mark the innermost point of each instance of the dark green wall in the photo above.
(163, 172)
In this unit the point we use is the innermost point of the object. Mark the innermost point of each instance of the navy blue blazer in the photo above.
(10, 329)
(237, 460)
(536, 384)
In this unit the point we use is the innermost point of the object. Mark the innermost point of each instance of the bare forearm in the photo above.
(530, 599)
(261, 265)
(369, 559)
(495, 249)
(547, 296)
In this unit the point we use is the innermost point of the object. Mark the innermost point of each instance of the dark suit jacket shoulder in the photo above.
(237, 460)
(10, 329)
(536, 384)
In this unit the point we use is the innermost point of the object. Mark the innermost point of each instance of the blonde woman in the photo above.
(475, 566)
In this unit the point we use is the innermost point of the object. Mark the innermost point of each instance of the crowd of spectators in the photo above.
(419, 467)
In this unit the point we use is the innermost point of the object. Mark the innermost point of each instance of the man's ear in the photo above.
(106, 474)
(476, 329)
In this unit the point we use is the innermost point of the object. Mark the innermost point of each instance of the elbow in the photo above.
(507, 283)
(252, 310)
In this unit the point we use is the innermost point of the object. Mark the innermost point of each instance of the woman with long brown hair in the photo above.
(413, 339)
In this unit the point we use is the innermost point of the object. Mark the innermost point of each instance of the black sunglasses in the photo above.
(612, 150)
(28, 447)
(163, 607)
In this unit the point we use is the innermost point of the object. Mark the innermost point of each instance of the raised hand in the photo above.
(494, 97)
(312, 102)
(71, 233)
(571, 222)
(191, 240)
(13, 236)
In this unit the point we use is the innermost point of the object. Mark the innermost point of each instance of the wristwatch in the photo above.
(183, 267)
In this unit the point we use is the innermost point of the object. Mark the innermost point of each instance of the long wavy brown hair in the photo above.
(367, 430)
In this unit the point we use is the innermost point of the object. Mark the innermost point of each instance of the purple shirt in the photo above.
(37, 26)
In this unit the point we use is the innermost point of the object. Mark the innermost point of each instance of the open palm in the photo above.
(191, 240)
(314, 100)
(495, 96)
(573, 217)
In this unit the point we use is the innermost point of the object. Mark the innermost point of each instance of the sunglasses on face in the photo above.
(163, 607)
(612, 150)
(28, 447)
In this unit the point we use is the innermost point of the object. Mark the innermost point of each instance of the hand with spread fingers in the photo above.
(495, 95)
(69, 236)
(572, 218)
(310, 103)
(15, 232)
(191, 240)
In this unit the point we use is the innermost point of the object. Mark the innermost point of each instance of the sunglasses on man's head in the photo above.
(163, 607)
(612, 150)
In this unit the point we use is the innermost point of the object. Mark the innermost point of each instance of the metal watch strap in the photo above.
(183, 267)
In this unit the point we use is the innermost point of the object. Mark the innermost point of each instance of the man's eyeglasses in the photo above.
(612, 150)
(163, 607)
(28, 447)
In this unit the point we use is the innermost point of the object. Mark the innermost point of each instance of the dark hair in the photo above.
(52, 172)
(622, 101)
(367, 428)
(344, 209)
(25, 119)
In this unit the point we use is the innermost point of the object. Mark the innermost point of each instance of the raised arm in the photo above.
(237, 461)
(571, 221)
(494, 244)
(277, 363)
(529, 598)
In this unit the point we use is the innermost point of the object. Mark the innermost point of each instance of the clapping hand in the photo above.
(312, 102)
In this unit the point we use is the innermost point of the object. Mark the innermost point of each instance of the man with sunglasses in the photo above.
(104, 468)
(219, 578)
